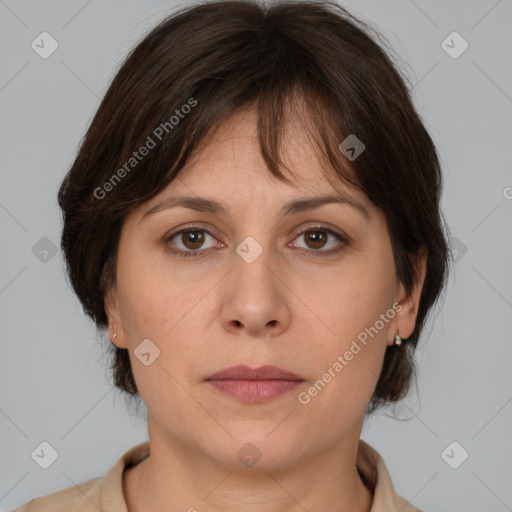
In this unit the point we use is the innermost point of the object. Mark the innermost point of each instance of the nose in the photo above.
(255, 297)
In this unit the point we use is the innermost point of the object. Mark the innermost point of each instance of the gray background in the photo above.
(54, 385)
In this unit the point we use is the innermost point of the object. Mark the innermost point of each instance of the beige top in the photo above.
(105, 493)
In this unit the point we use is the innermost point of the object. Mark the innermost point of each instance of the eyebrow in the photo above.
(212, 206)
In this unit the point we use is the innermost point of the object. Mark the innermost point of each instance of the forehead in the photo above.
(229, 168)
(232, 155)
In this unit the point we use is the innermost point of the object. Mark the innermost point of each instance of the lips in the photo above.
(254, 385)
(243, 372)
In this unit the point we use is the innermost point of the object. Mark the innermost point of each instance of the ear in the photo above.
(405, 318)
(114, 315)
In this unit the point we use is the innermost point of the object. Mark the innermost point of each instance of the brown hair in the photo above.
(217, 58)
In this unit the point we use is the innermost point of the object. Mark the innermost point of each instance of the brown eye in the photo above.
(189, 240)
(318, 237)
(192, 238)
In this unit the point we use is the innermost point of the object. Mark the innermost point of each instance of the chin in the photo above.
(257, 450)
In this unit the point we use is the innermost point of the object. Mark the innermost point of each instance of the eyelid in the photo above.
(297, 232)
(174, 232)
(343, 238)
(322, 225)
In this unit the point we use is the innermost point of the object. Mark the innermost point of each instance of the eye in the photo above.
(192, 238)
(317, 237)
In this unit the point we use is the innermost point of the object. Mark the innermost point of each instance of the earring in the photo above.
(397, 339)
(115, 334)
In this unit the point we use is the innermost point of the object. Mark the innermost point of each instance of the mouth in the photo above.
(254, 384)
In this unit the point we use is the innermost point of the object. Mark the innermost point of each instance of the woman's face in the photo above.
(257, 293)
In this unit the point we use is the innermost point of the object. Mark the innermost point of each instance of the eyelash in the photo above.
(307, 252)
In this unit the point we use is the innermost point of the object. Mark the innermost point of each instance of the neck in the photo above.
(177, 477)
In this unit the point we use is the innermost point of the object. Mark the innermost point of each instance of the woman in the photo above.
(254, 218)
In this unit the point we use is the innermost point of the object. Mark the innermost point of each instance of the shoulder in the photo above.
(84, 497)
(97, 494)
(406, 506)
(378, 479)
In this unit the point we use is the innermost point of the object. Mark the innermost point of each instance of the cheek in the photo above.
(349, 357)
(167, 309)
(352, 303)
(347, 369)
(151, 298)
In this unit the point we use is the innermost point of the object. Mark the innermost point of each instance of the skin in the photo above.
(284, 309)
